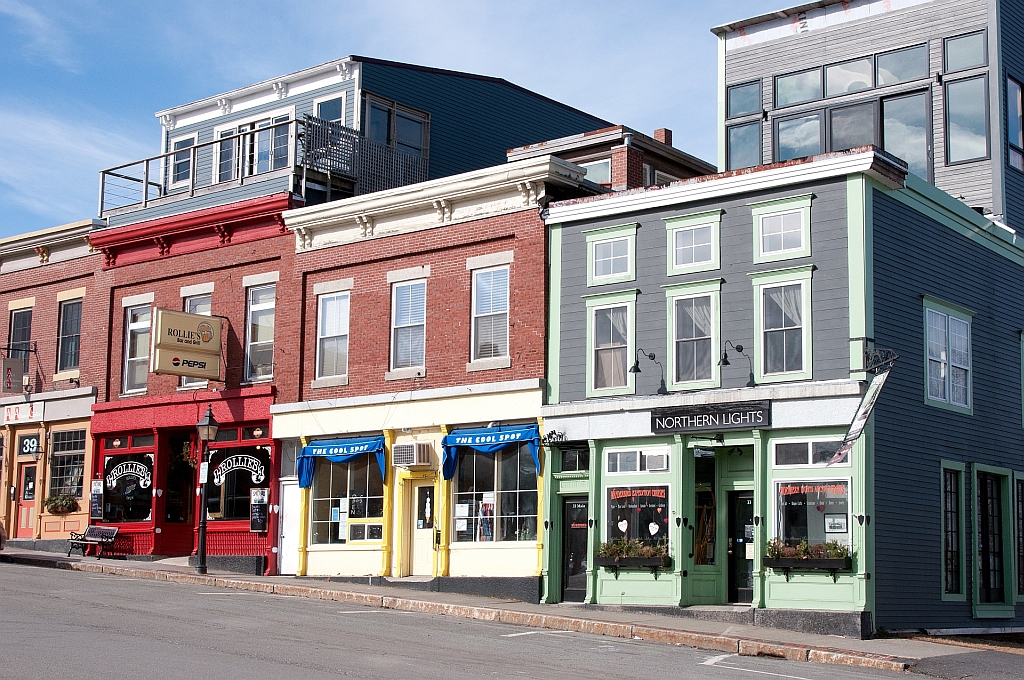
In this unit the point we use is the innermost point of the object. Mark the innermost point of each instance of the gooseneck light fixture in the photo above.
(662, 389)
(739, 350)
(206, 428)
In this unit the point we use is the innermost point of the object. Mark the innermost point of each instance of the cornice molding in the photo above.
(43, 242)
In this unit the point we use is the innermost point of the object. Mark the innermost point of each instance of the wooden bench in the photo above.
(101, 537)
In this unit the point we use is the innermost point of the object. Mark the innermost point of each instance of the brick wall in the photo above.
(627, 168)
(448, 305)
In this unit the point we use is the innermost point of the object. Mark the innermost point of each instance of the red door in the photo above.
(26, 517)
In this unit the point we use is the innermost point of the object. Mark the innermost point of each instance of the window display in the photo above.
(637, 513)
(128, 488)
(234, 471)
(816, 511)
(496, 496)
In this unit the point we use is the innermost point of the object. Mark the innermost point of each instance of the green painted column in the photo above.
(594, 535)
(762, 492)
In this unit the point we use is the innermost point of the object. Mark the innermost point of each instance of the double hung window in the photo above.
(197, 304)
(611, 346)
(408, 324)
(332, 335)
(693, 310)
(181, 161)
(67, 462)
(496, 496)
(782, 344)
(259, 346)
(69, 335)
(348, 501)
(20, 338)
(136, 348)
(490, 313)
(948, 337)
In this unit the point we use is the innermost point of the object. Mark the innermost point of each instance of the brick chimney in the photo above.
(663, 135)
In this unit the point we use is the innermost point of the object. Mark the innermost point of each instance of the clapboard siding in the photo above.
(929, 22)
(474, 121)
(1011, 37)
(829, 286)
(913, 256)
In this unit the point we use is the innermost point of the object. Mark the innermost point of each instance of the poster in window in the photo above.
(835, 524)
(258, 510)
(810, 510)
(638, 513)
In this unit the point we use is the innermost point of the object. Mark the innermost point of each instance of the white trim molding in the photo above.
(328, 287)
(136, 300)
(409, 274)
(260, 279)
(196, 289)
(490, 260)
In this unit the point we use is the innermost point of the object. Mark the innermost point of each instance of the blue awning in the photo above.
(488, 440)
(338, 451)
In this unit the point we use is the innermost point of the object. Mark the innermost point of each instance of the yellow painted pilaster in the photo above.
(389, 495)
(303, 523)
(42, 479)
(443, 496)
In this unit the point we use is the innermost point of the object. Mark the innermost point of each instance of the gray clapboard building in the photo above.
(934, 82)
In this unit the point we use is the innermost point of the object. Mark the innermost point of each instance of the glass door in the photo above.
(741, 546)
(26, 502)
(574, 549)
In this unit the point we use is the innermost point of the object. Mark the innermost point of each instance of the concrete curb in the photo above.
(671, 636)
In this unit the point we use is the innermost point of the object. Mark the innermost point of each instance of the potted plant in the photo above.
(61, 504)
(625, 553)
(830, 556)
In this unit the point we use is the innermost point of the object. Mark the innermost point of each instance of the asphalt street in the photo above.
(64, 624)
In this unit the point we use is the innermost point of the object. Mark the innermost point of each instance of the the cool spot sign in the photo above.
(743, 415)
(186, 344)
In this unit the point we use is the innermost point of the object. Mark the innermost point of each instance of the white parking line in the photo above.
(715, 660)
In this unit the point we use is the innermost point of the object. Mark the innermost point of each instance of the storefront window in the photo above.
(348, 501)
(67, 462)
(233, 472)
(496, 496)
(637, 513)
(816, 511)
(128, 488)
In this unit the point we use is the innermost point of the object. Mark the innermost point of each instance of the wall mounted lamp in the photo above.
(739, 350)
(662, 389)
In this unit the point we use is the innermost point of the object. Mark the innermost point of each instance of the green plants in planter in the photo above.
(61, 504)
(622, 547)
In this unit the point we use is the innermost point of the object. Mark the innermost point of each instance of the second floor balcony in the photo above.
(318, 159)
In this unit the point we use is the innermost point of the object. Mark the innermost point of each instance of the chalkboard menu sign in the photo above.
(95, 506)
(258, 509)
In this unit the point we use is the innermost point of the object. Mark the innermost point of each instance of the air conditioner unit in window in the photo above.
(410, 455)
(656, 461)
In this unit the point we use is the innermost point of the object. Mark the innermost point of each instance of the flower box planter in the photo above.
(829, 564)
(616, 563)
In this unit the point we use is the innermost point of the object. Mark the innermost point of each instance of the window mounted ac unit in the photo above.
(410, 455)
(656, 462)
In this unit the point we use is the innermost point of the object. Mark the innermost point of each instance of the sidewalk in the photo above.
(884, 654)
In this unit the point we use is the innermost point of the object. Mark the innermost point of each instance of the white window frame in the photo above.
(250, 120)
(782, 206)
(606, 235)
(605, 301)
(642, 453)
(774, 279)
(824, 479)
(129, 329)
(809, 442)
(948, 312)
(186, 381)
(171, 182)
(418, 369)
(604, 161)
(249, 309)
(674, 225)
(502, 359)
(685, 291)
(343, 95)
(335, 378)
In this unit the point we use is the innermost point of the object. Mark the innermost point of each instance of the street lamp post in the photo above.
(207, 428)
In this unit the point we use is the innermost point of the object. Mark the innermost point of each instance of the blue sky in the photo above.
(81, 79)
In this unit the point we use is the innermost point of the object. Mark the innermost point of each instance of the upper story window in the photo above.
(964, 51)
(332, 335)
(948, 355)
(782, 341)
(394, 125)
(797, 88)
(782, 228)
(331, 108)
(263, 146)
(611, 253)
(967, 119)
(905, 131)
(901, 66)
(197, 304)
(20, 335)
(136, 348)
(610, 337)
(599, 172)
(743, 145)
(69, 336)
(799, 136)
(744, 99)
(849, 76)
(408, 324)
(693, 317)
(693, 242)
(1014, 124)
(181, 162)
(259, 341)
(490, 313)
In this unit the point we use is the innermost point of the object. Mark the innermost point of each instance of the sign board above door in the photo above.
(742, 415)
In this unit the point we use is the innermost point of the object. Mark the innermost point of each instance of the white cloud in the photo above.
(50, 166)
(46, 38)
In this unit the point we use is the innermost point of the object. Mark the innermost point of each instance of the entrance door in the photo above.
(574, 549)
(421, 561)
(288, 521)
(26, 502)
(741, 546)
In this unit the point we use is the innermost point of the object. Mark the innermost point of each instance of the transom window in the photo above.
(611, 258)
(653, 460)
(490, 313)
(136, 353)
(408, 324)
(348, 501)
(332, 335)
(496, 496)
(901, 66)
(949, 358)
(964, 51)
(849, 76)
(260, 333)
(807, 453)
(798, 87)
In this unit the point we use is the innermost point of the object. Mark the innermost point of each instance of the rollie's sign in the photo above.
(743, 415)
(186, 344)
